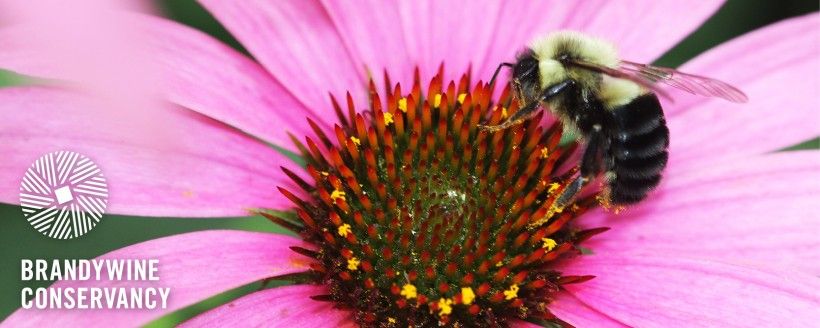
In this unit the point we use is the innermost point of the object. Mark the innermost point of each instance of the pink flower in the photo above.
(728, 239)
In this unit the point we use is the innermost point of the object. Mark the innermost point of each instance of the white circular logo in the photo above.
(63, 195)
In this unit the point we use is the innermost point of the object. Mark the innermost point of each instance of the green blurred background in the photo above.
(18, 240)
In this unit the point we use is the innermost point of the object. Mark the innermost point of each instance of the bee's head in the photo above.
(526, 77)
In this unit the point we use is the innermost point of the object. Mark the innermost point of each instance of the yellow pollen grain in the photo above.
(344, 230)
(511, 293)
(552, 211)
(356, 141)
(549, 243)
(503, 112)
(461, 97)
(403, 105)
(324, 173)
(545, 152)
(388, 118)
(391, 320)
(437, 100)
(353, 264)
(337, 194)
(445, 306)
(467, 295)
(408, 291)
(499, 264)
(553, 187)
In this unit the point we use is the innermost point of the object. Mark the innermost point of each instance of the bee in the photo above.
(611, 104)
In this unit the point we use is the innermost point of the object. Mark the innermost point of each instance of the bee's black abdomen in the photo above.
(641, 167)
(625, 191)
(641, 116)
(642, 145)
(638, 149)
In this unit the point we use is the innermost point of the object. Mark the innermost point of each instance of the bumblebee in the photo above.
(611, 104)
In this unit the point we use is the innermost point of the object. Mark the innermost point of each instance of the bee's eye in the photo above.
(528, 72)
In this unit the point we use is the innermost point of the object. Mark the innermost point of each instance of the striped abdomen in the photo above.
(638, 149)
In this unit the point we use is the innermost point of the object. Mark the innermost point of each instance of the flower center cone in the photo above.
(420, 219)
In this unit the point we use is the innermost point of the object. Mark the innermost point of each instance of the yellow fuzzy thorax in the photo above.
(612, 92)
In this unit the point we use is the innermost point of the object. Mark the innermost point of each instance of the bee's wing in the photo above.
(694, 84)
(649, 76)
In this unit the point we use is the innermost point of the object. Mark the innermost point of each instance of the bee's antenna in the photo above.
(497, 70)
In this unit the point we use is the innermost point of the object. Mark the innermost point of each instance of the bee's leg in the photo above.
(521, 115)
(593, 159)
(529, 110)
(557, 88)
(497, 70)
(590, 167)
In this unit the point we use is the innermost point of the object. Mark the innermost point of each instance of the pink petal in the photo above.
(518, 23)
(400, 35)
(195, 70)
(205, 75)
(373, 32)
(654, 26)
(767, 50)
(484, 34)
(770, 66)
(662, 291)
(568, 308)
(660, 24)
(761, 211)
(287, 306)
(298, 43)
(171, 162)
(195, 266)
(457, 33)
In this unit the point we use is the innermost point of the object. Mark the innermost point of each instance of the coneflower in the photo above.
(405, 213)
(421, 219)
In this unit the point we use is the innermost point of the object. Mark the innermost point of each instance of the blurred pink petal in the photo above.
(772, 69)
(287, 306)
(197, 72)
(653, 28)
(85, 43)
(200, 168)
(568, 308)
(661, 291)
(298, 43)
(201, 73)
(195, 266)
(754, 56)
(758, 211)
(16, 11)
